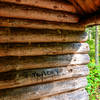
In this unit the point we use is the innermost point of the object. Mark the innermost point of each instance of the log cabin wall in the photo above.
(43, 54)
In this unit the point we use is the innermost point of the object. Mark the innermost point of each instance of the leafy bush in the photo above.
(93, 87)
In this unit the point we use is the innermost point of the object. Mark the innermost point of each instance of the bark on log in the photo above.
(17, 63)
(23, 23)
(12, 35)
(28, 77)
(54, 4)
(42, 49)
(26, 12)
(41, 90)
(79, 94)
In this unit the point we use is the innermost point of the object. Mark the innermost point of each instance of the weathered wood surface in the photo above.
(41, 90)
(42, 49)
(26, 12)
(11, 35)
(79, 94)
(23, 23)
(54, 4)
(34, 76)
(78, 8)
(97, 3)
(17, 63)
(86, 6)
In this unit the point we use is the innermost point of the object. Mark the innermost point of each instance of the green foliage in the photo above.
(93, 81)
(92, 48)
(93, 87)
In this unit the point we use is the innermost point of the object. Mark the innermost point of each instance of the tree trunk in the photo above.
(97, 47)
(89, 35)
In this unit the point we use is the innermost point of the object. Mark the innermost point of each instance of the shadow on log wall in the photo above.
(41, 56)
(54, 66)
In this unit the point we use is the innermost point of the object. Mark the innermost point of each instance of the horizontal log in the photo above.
(34, 76)
(26, 12)
(87, 7)
(97, 3)
(23, 23)
(79, 94)
(11, 35)
(17, 63)
(41, 90)
(77, 6)
(42, 49)
(54, 4)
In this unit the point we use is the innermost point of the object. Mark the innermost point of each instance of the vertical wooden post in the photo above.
(89, 35)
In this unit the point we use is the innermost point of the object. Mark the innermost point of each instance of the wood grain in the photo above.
(17, 63)
(77, 6)
(22, 23)
(79, 94)
(54, 4)
(41, 90)
(26, 12)
(35, 76)
(42, 49)
(84, 7)
(21, 35)
(97, 3)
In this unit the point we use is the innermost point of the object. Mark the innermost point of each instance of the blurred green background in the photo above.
(93, 87)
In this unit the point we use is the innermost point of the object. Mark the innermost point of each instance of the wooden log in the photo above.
(17, 63)
(34, 76)
(54, 4)
(79, 94)
(97, 3)
(87, 6)
(23, 23)
(41, 90)
(78, 8)
(42, 49)
(26, 12)
(91, 6)
(83, 6)
(12, 35)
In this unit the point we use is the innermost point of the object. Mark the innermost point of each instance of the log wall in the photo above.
(43, 54)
